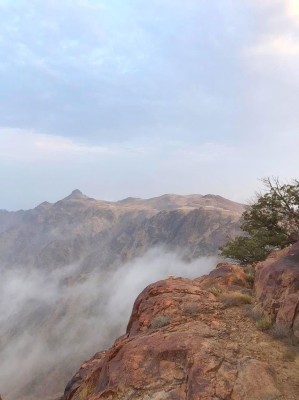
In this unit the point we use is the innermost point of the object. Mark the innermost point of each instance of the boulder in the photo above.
(277, 288)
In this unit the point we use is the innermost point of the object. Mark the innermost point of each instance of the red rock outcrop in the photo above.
(277, 288)
(183, 343)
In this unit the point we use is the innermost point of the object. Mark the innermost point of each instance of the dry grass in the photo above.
(235, 299)
(215, 291)
(289, 355)
(85, 391)
(264, 323)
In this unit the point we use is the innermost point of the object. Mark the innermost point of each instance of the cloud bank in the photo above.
(50, 323)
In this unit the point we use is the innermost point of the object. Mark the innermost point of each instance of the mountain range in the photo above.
(101, 233)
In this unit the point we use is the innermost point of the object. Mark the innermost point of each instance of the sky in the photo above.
(139, 98)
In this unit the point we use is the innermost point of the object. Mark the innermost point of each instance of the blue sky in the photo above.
(137, 98)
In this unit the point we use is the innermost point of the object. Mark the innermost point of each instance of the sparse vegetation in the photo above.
(207, 283)
(252, 312)
(264, 323)
(280, 332)
(85, 391)
(271, 222)
(191, 309)
(289, 355)
(215, 291)
(237, 281)
(232, 299)
(160, 321)
(250, 278)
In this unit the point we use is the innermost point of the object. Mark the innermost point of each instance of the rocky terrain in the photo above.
(68, 274)
(277, 287)
(101, 233)
(223, 336)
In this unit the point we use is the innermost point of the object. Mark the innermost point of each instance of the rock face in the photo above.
(184, 343)
(277, 288)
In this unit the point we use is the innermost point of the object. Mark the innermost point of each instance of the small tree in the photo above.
(272, 221)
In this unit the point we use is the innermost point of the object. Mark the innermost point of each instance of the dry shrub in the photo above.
(279, 331)
(191, 309)
(235, 299)
(264, 323)
(289, 355)
(160, 321)
(253, 313)
(215, 291)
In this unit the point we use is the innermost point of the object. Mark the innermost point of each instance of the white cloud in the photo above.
(275, 46)
(22, 145)
(292, 9)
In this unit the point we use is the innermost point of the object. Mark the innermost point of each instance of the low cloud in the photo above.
(50, 323)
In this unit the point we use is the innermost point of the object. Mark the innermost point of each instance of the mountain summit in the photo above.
(76, 195)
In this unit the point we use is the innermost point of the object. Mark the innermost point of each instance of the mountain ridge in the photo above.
(79, 221)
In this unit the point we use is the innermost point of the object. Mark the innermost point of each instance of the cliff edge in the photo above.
(203, 339)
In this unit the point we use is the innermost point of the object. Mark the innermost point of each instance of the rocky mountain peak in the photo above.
(76, 195)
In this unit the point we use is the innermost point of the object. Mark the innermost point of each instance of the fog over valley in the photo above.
(71, 270)
(55, 320)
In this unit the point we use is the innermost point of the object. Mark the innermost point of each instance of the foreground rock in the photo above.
(277, 288)
(188, 340)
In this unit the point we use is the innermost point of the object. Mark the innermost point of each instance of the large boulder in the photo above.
(277, 288)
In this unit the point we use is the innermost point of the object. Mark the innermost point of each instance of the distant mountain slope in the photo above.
(99, 233)
(69, 269)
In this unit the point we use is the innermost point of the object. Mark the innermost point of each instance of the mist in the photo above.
(51, 322)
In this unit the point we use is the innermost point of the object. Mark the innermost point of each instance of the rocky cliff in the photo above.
(204, 339)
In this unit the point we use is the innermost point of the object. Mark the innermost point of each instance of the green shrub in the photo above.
(271, 222)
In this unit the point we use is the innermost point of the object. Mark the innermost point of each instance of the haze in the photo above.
(48, 328)
(137, 98)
